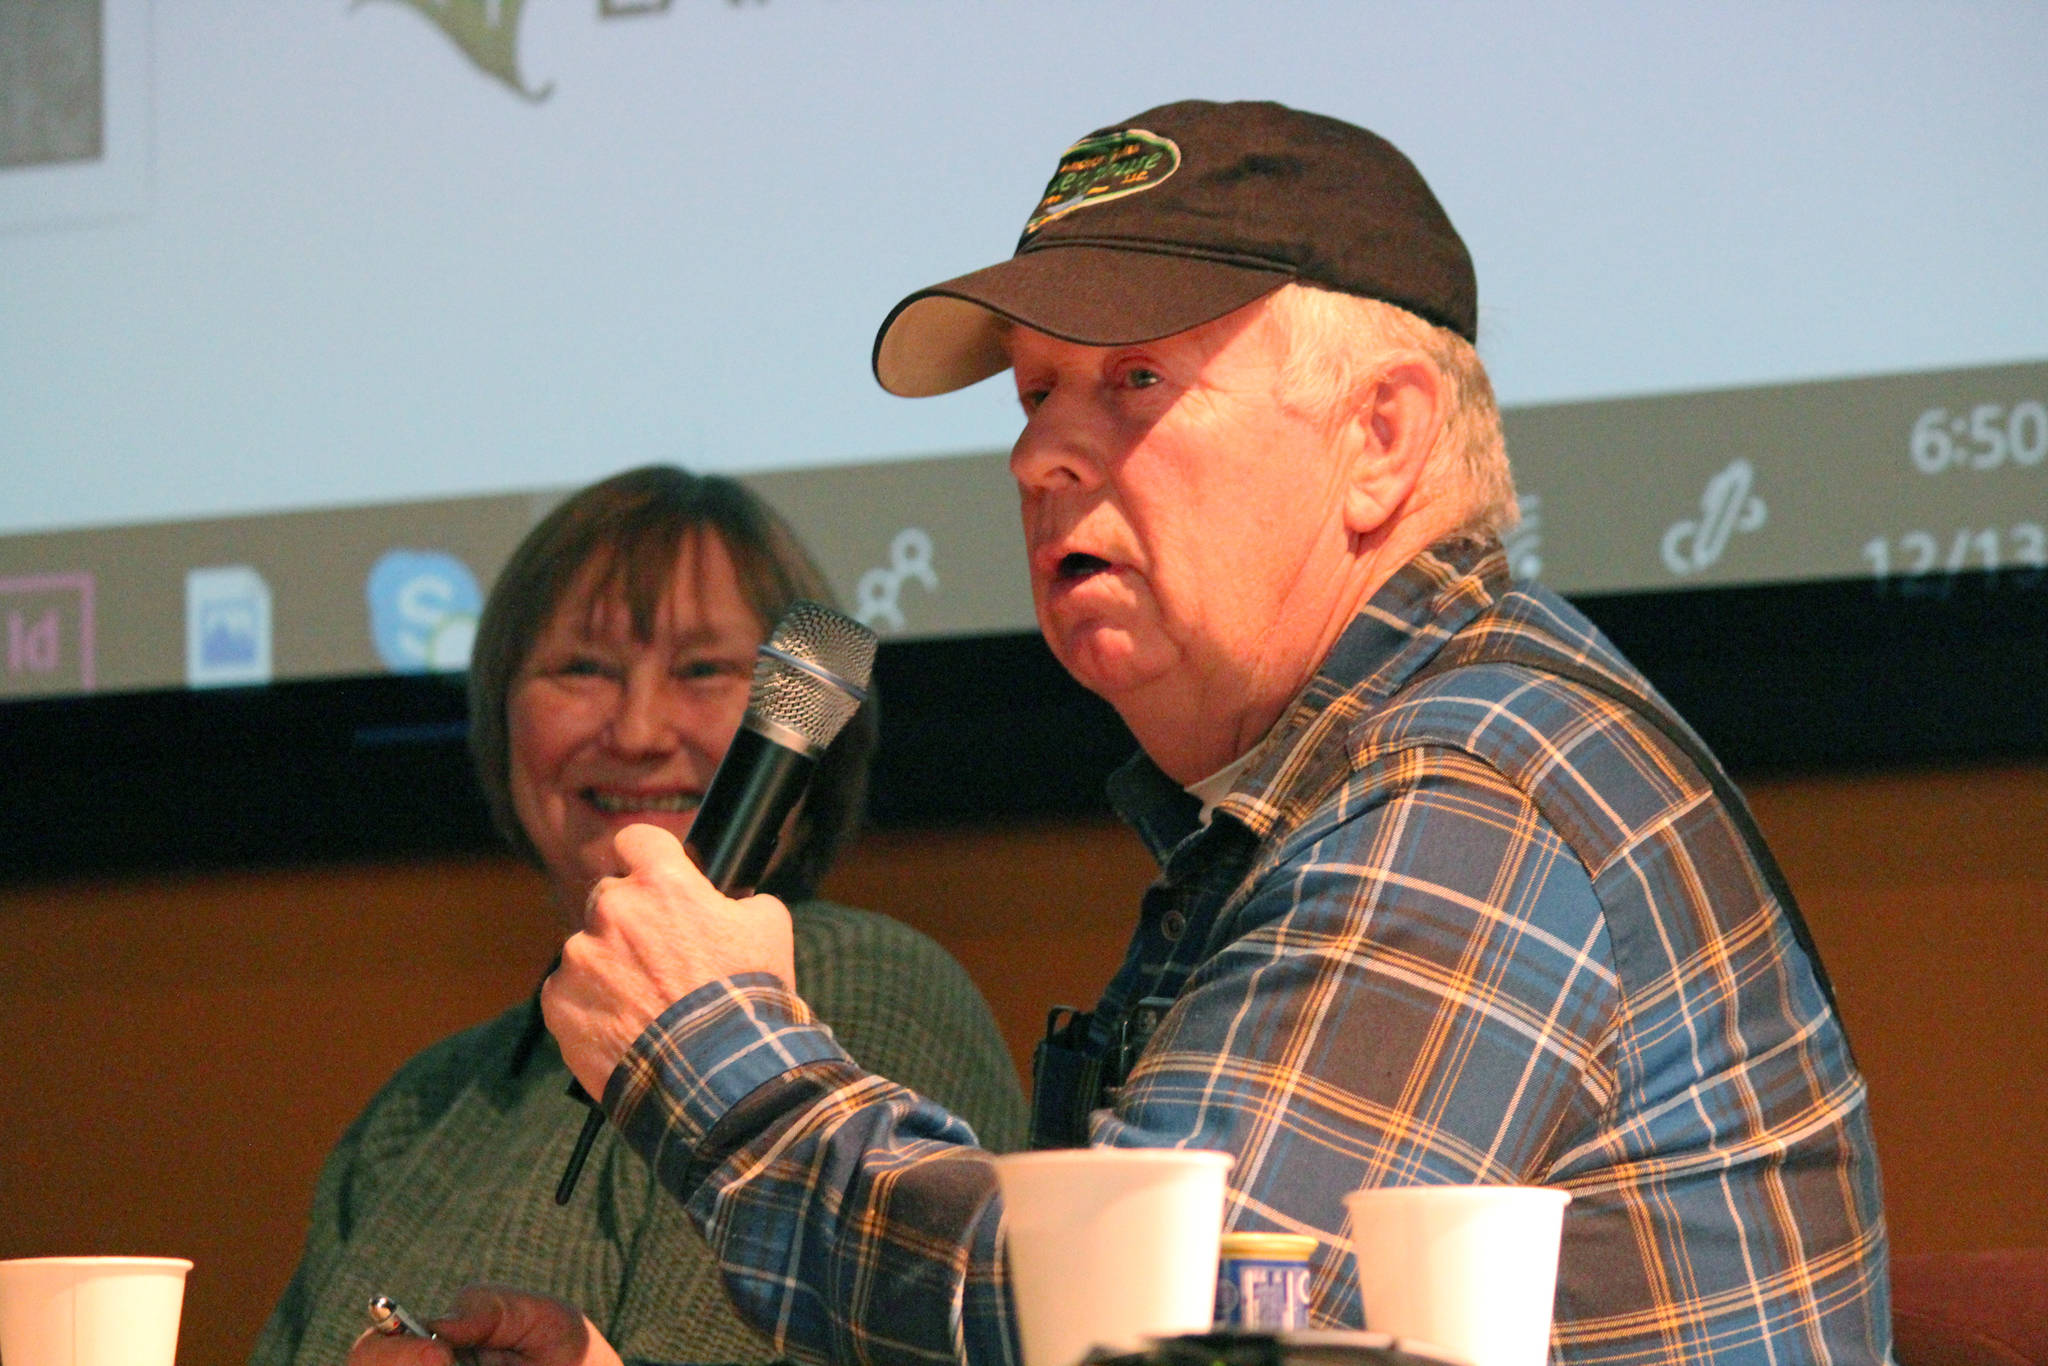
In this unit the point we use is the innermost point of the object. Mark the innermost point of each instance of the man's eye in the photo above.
(1032, 399)
(1138, 377)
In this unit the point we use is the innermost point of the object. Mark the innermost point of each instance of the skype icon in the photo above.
(423, 610)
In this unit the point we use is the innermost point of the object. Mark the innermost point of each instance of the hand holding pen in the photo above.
(490, 1325)
(389, 1319)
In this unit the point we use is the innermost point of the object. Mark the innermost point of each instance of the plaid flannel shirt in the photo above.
(1452, 925)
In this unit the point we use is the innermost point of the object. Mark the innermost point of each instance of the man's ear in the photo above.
(1394, 428)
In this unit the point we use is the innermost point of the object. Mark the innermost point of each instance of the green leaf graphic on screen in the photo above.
(487, 31)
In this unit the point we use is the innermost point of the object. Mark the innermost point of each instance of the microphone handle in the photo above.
(758, 783)
(732, 838)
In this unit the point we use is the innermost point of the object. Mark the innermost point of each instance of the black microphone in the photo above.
(809, 680)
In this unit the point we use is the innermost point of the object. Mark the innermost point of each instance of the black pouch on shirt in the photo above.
(1066, 1081)
(1069, 1083)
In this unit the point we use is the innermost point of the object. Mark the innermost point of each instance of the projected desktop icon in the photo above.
(879, 605)
(423, 610)
(227, 627)
(1729, 505)
(46, 634)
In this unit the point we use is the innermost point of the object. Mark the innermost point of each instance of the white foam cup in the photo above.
(91, 1311)
(1110, 1246)
(1469, 1269)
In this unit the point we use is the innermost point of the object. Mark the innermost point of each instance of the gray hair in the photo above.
(1334, 344)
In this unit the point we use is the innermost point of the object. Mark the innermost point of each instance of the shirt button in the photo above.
(1173, 925)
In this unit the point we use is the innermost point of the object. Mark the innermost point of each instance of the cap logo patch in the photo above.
(1098, 169)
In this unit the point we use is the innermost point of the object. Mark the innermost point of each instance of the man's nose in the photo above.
(1058, 451)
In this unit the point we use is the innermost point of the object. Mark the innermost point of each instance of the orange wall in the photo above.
(176, 1054)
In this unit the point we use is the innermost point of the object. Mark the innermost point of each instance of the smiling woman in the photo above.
(611, 671)
(611, 725)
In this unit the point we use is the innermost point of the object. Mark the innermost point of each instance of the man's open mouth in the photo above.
(1077, 566)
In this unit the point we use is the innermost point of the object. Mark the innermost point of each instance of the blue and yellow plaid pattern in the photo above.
(1454, 924)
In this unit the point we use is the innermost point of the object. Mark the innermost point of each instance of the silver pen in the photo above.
(389, 1317)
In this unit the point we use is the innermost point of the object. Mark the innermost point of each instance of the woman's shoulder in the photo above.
(499, 1039)
(829, 922)
(427, 1083)
(841, 948)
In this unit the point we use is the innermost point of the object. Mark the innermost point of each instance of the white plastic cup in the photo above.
(1469, 1269)
(91, 1311)
(1110, 1246)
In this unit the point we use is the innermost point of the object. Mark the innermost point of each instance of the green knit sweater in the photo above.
(448, 1177)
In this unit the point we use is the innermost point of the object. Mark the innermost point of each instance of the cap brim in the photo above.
(951, 335)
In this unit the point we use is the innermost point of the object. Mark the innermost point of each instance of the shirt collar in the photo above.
(1214, 788)
(1397, 632)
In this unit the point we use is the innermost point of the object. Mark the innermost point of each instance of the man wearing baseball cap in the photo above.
(1448, 895)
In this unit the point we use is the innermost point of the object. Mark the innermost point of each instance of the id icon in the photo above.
(227, 627)
(46, 634)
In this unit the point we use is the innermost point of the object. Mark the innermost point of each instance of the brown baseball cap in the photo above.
(1179, 215)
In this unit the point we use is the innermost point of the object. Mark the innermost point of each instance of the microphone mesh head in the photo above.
(812, 674)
